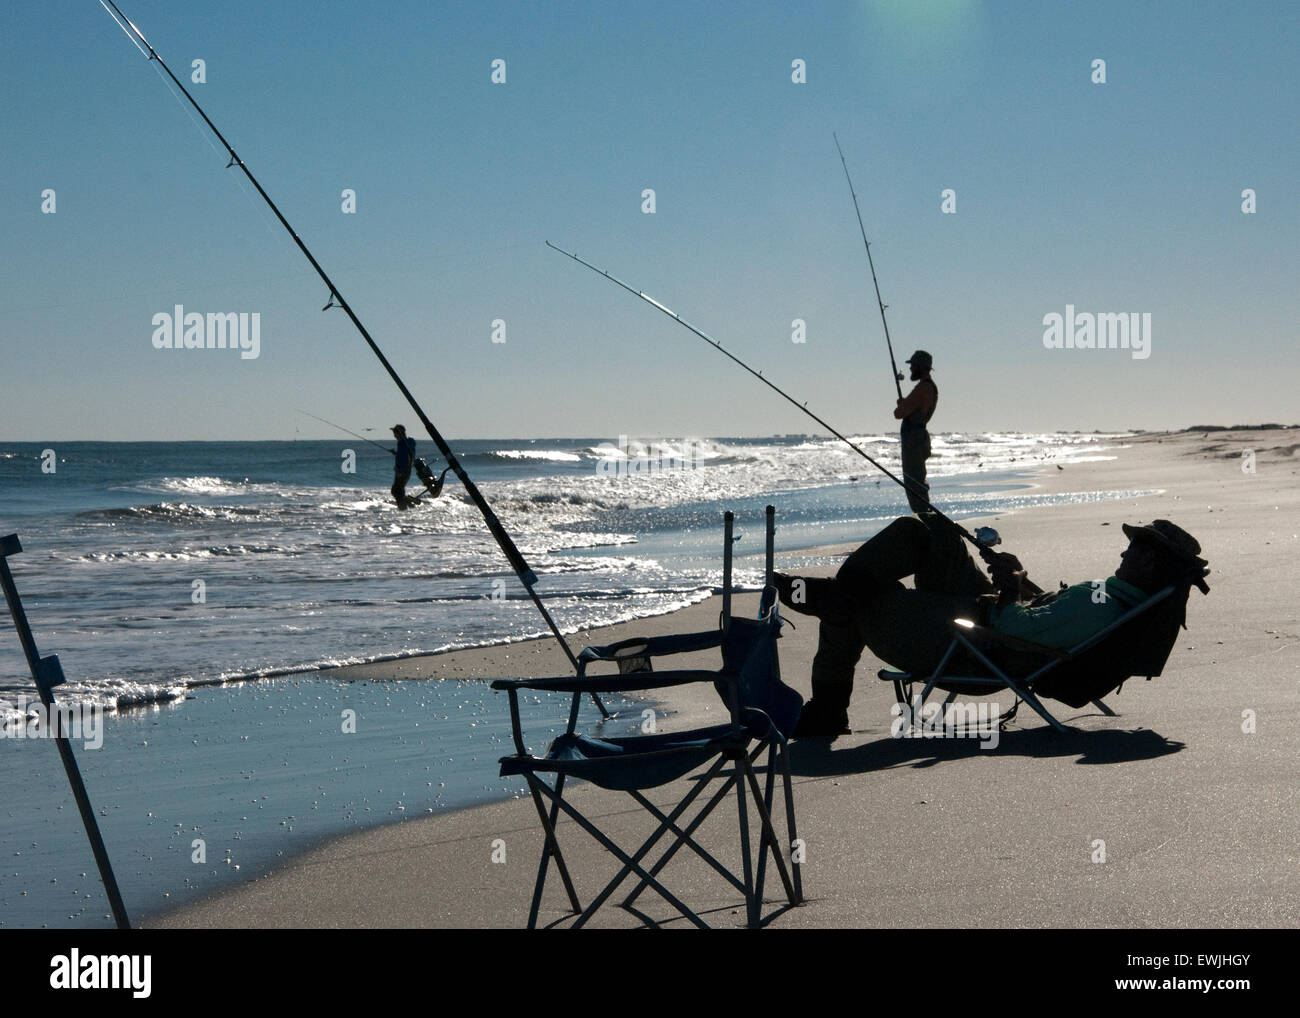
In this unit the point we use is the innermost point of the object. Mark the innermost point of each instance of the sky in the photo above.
(1122, 196)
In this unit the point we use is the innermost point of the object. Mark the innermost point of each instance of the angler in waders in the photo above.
(406, 459)
(915, 410)
(405, 453)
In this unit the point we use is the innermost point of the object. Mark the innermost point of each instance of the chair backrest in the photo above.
(749, 648)
(749, 651)
(1140, 645)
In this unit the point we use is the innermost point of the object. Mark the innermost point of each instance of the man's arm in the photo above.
(909, 404)
(920, 398)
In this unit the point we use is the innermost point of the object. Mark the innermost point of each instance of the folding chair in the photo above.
(763, 712)
(981, 661)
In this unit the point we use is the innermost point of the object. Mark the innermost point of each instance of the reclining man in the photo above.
(866, 605)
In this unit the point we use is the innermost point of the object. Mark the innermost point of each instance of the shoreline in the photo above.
(421, 665)
(347, 643)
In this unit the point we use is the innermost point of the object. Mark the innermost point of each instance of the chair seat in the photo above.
(623, 764)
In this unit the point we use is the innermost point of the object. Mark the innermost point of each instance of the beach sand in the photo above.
(1199, 818)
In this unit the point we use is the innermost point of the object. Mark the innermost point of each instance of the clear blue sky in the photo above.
(1115, 198)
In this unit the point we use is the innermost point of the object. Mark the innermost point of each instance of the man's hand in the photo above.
(1007, 573)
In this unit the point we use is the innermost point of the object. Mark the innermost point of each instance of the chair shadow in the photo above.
(821, 758)
(649, 922)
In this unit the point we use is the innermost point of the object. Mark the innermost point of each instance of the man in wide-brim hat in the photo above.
(866, 604)
(1174, 549)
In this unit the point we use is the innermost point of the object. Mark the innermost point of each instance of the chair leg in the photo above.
(768, 786)
(767, 838)
(631, 863)
(559, 859)
(943, 663)
(1043, 712)
(751, 906)
(684, 837)
(903, 692)
(795, 866)
(770, 841)
(555, 852)
(1101, 706)
(1019, 690)
(550, 847)
(916, 711)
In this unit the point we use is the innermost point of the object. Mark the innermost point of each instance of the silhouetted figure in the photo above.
(915, 410)
(405, 453)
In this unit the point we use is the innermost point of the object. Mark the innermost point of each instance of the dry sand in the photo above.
(1199, 819)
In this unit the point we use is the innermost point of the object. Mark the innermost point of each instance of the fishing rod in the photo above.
(336, 299)
(898, 376)
(983, 545)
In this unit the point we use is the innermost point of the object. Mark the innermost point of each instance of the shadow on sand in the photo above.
(822, 758)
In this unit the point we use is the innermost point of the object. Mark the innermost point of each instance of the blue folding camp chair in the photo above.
(981, 661)
(763, 712)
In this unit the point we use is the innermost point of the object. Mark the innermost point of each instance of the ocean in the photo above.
(194, 591)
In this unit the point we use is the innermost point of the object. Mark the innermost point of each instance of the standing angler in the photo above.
(915, 410)
(405, 453)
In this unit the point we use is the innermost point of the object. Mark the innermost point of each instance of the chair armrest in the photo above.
(615, 683)
(652, 646)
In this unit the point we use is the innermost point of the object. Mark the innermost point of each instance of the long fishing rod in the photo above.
(517, 561)
(982, 545)
(898, 377)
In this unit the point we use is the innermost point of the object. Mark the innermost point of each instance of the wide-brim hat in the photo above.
(1175, 542)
